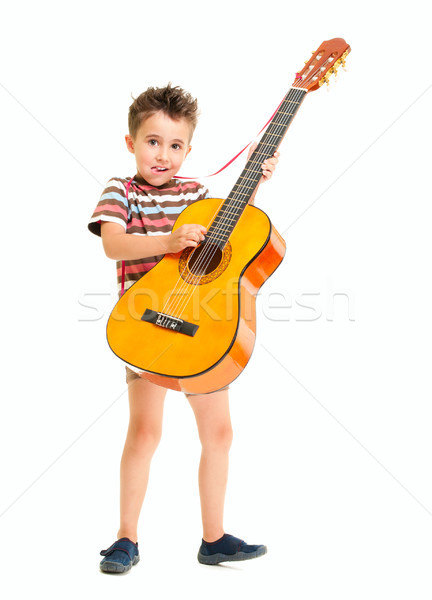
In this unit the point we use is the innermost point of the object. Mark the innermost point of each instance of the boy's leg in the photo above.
(215, 432)
(146, 402)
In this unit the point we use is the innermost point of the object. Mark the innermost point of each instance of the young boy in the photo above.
(161, 124)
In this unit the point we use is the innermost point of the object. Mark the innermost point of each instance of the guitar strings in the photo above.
(250, 176)
(259, 158)
(181, 279)
(230, 209)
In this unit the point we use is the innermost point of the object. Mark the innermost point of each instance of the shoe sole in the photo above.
(215, 559)
(115, 567)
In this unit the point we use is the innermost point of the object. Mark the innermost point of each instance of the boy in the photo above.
(161, 124)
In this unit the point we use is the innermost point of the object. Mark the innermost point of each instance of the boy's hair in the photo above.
(173, 101)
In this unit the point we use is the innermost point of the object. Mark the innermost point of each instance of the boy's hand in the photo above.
(268, 165)
(186, 235)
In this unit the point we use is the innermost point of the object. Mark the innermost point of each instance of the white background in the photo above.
(330, 466)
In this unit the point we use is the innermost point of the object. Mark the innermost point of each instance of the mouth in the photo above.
(158, 169)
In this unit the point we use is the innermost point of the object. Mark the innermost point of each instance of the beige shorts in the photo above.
(131, 376)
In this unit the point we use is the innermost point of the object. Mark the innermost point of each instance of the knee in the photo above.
(218, 438)
(144, 438)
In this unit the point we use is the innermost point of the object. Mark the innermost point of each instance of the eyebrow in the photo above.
(155, 135)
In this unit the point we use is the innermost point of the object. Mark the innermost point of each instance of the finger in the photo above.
(197, 227)
(199, 232)
(191, 233)
(268, 167)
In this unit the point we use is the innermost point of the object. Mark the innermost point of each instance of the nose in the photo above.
(162, 153)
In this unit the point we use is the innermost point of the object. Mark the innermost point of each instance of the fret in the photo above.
(224, 219)
(271, 144)
(230, 200)
(233, 215)
(227, 211)
(241, 202)
(277, 125)
(243, 186)
(281, 112)
(277, 134)
(247, 178)
(215, 237)
(242, 193)
(253, 167)
(249, 175)
(248, 187)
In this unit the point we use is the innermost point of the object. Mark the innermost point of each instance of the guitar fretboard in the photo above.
(234, 205)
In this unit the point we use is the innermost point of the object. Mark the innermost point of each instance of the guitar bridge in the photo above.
(169, 322)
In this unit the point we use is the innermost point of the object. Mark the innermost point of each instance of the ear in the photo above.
(188, 150)
(130, 143)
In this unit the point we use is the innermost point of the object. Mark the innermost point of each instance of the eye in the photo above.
(153, 142)
(176, 146)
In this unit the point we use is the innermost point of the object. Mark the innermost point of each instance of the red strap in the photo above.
(237, 155)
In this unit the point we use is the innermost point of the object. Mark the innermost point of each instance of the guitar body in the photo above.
(217, 305)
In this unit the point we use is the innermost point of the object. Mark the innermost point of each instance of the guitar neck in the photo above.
(268, 144)
(233, 207)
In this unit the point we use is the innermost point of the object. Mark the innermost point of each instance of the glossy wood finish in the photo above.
(324, 62)
(223, 309)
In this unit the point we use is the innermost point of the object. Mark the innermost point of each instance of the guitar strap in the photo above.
(237, 155)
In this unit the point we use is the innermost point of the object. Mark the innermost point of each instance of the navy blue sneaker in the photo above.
(120, 557)
(228, 548)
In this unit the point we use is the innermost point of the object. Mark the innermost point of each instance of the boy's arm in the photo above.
(120, 245)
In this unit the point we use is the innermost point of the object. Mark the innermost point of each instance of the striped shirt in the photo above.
(147, 210)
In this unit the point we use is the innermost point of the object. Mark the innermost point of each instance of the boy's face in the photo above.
(160, 147)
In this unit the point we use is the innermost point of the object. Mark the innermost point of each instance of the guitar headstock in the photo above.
(323, 63)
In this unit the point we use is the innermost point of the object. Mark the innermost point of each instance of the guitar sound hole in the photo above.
(205, 259)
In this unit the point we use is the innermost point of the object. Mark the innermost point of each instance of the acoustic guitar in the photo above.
(189, 323)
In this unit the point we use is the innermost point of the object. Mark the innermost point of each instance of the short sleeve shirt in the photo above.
(148, 210)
